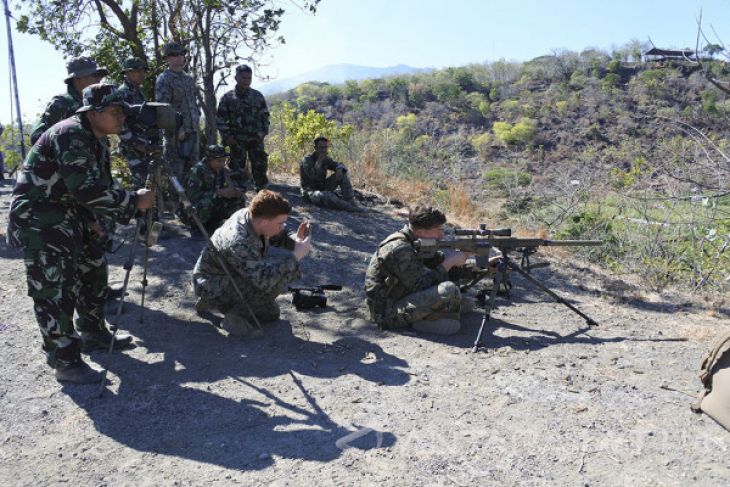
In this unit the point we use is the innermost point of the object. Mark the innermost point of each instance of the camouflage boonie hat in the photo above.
(173, 49)
(99, 96)
(216, 152)
(134, 63)
(83, 66)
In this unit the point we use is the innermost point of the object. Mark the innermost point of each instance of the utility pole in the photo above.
(11, 61)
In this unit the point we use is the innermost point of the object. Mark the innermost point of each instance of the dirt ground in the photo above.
(325, 398)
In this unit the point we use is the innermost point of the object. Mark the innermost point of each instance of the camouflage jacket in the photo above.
(133, 131)
(312, 176)
(65, 182)
(248, 257)
(242, 114)
(395, 271)
(178, 89)
(202, 183)
(60, 107)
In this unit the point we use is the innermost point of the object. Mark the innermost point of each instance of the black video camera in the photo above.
(155, 115)
(310, 297)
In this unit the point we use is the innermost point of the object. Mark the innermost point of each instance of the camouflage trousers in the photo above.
(177, 164)
(59, 283)
(251, 149)
(214, 215)
(328, 198)
(442, 298)
(219, 292)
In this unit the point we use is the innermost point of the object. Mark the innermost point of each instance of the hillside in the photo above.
(334, 74)
(574, 145)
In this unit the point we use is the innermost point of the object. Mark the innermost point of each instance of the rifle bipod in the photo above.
(508, 265)
(194, 215)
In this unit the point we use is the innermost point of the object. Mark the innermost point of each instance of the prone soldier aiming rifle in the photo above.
(482, 241)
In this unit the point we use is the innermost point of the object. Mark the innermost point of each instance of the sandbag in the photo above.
(714, 399)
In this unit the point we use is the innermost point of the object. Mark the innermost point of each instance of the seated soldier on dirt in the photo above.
(318, 188)
(404, 290)
(209, 187)
(262, 273)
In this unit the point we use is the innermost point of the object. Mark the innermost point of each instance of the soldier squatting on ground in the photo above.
(243, 121)
(63, 190)
(82, 72)
(211, 190)
(318, 187)
(263, 259)
(403, 290)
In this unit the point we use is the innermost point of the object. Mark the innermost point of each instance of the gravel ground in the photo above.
(325, 398)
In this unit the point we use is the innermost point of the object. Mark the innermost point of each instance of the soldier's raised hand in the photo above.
(303, 241)
(455, 258)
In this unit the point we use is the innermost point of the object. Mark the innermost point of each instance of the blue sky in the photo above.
(421, 33)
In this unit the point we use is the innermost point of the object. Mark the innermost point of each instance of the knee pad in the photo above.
(449, 290)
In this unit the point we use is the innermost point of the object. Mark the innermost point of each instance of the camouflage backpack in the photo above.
(714, 400)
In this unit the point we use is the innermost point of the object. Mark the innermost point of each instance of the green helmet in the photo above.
(216, 152)
(173, 49)
(134, 63)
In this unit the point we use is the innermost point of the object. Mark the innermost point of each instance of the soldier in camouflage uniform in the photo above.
(176, 87)
(82, 72)
(211, 191)
(318, 188)
(64, 187)
(263, 259)
(138, 142)
(243, 121)
(403, 290)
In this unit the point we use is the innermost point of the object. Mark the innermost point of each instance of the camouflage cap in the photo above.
(216, 152)
(83, 66)
(99, 96)
(173, 49)
(133, 64)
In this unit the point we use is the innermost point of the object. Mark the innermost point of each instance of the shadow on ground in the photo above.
(203, 396)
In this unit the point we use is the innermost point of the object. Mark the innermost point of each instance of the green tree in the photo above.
(219, 33)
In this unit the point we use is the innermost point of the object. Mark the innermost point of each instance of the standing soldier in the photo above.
(243, 121)
(211, 191)
(63, 187)
(176, 87)
(137, 142)
(82, 72)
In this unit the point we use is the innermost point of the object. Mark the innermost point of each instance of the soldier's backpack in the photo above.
(714, 400)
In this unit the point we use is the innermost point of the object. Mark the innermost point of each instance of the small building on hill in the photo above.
(656, 54)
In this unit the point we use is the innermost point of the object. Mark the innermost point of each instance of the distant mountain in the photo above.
(335, 74)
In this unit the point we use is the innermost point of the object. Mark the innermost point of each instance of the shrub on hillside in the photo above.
(504, 179)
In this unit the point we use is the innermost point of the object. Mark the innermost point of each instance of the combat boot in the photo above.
(100, 340)
(237, 325)
(78, 373)
(204, 306)
(115, 292)
(440, 326)
(353, 206)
